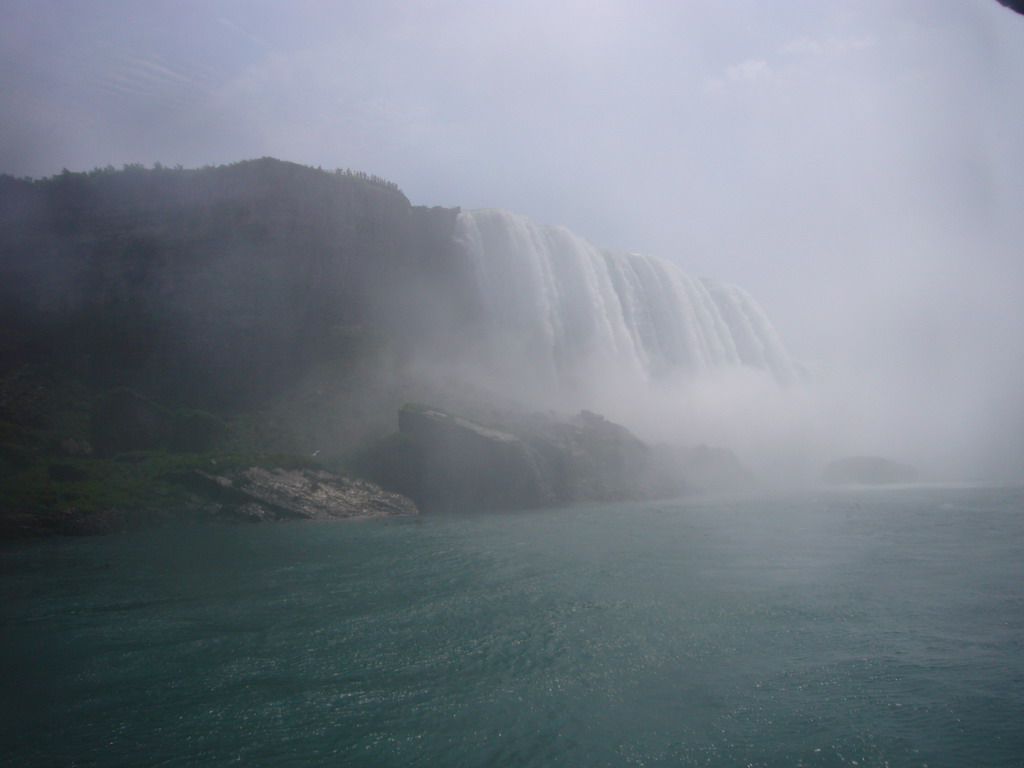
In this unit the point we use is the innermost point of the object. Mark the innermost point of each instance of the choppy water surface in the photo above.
(871, 627)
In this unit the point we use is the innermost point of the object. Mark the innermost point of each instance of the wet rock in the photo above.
(258, 493)
(458, 464)
(523, 461)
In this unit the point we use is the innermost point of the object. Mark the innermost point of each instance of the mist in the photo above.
(854, 166)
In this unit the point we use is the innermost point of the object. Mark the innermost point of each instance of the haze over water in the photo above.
(854, 165)
(842, 627)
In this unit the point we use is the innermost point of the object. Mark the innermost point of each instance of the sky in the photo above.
(856, 165)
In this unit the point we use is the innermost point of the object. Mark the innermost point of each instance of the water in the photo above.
(870, 628)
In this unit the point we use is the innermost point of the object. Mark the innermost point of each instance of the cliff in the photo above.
(456, 464)
(216, 286)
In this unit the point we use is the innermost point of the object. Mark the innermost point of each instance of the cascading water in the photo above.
(566, 311)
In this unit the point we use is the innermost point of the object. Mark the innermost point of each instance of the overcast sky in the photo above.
(856, 165)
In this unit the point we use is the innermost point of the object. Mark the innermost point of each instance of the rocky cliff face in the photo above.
(586, 457)
(523, 461)
(457, 464)
(228, 279)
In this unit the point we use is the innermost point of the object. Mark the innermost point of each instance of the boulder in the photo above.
(586, 457)
(523, 461)
(458, 464)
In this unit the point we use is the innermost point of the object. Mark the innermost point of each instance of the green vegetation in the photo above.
(157, 321)
(79, 460)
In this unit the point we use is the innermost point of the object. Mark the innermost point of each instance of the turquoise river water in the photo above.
(844, 627)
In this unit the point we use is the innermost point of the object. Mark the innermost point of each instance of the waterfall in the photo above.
(564, 310)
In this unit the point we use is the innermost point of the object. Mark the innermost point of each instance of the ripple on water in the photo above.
(838, 629)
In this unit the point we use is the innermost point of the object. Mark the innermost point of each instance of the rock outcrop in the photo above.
(457, 464)
(524, 461)
(264, 494)
(586, 457)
